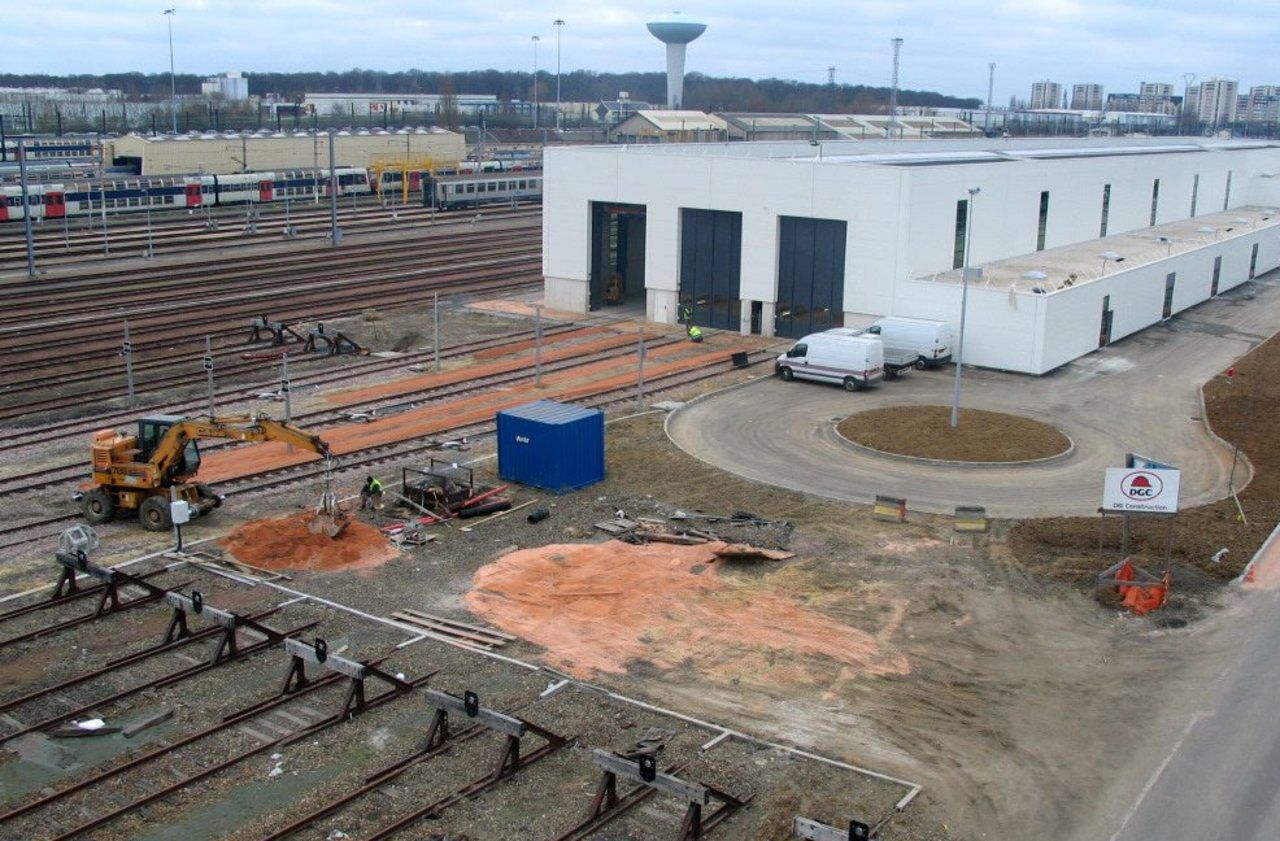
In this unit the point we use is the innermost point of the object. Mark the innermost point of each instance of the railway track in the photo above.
(374, 457)
(187, 233)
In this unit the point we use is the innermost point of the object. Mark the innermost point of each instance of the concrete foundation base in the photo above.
(567, 294)
(662, 306)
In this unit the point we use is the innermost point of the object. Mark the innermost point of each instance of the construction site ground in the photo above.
(926, 432)
(943, 659)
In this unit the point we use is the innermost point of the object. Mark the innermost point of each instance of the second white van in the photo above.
(930, 339)
(852, 361)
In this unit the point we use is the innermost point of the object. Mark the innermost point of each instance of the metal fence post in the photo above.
(284, 387)
(435, 315)
(127, 350)
(208, 369)
(537, 346)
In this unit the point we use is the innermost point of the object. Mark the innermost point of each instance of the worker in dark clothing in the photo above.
(371, 494)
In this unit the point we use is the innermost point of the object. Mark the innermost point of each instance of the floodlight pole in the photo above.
(26, 210)
(173, 84)
(964, 302)
(559, 25)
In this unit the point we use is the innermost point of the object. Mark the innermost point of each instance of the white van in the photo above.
(930, 339)
(853, 361)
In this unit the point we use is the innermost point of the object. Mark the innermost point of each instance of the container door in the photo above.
(55, 205)
(4, 208)
(266, 190)
(194, 197)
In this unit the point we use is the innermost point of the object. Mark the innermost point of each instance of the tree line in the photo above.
(702, 92)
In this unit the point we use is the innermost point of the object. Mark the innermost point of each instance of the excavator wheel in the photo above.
(98, 506)
(154, 514)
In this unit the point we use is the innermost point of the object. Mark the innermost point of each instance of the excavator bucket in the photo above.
(329, 518)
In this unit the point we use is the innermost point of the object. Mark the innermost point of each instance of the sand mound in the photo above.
(597, 607)
(286, 543)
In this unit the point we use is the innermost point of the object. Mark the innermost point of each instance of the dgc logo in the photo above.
(1141, 485)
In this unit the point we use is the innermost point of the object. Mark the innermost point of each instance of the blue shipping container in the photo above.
(550, 445)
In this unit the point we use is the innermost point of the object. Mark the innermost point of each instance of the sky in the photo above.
(947, 44)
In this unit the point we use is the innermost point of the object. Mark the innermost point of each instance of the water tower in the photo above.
(676, 32)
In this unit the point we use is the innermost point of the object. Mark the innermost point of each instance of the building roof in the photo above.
(939, 152)
(1072, 265)
(769, 122)
(680, 120)
(269, 135)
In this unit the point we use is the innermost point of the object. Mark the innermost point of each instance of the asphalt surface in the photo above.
(1214, 767)
(1140, 394)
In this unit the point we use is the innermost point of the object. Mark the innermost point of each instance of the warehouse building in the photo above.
(788, 238)
(268, 151)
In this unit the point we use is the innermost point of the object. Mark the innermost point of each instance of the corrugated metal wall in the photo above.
(810, 275)
(711, 267)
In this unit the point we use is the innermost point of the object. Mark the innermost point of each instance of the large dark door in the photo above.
(617, 253)
(810, 276)
(711, 268)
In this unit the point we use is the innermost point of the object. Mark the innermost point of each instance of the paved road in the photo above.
(1216, 775)
(1140, 394)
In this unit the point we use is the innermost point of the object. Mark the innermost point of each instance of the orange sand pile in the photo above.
(287, 543)
(597, 607)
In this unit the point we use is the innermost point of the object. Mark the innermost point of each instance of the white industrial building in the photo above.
(788, 238)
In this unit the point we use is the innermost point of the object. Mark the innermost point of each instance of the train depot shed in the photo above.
(264, 151)
(794, 237)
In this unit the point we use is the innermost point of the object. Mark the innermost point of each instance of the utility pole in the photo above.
(893, 91)
(991, 86)
(173, 83)
(208, 370)
(640, 370)
(964, 300)
(284, 387)
(26, 209)
(435, 317)
(559, 24)
(335, 233)
(127, 350)
(536, 39)
(537, 346)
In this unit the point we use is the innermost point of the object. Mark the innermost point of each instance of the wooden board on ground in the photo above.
(743, 552)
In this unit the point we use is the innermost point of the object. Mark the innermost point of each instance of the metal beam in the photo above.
(492, 719)
(186, 604)
(307, 652)
(621, 767)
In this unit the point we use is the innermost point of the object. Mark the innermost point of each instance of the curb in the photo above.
(938, 462)
(1204, 421)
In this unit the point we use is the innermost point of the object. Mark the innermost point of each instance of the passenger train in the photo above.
(127, 194)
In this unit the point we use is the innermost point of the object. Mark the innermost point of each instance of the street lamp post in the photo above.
(964, 301)
(559, 24)
(536, 39)
(173, 84)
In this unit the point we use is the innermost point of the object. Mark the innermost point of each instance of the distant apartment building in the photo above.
(1046, 95)
(1086, 97)
(1156, 98)
(1213, 101)
(1123, 102)
(1262, 105)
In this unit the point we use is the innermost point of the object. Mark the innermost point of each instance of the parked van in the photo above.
(853, 361)
(930, 339)
(896, 359)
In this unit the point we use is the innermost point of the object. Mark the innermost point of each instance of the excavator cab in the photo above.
(151, 432)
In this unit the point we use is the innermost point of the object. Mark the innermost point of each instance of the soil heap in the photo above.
(287, 543)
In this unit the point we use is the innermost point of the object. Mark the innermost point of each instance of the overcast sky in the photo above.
(948, 43)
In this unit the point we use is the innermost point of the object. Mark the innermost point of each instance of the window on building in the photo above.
(1217, 276)
(1195, 193)
(962, 225)
(1226, 198)
(1044, 220)
(1169, 280)
(1106, 209)
(1155, 199)
(1253, 262)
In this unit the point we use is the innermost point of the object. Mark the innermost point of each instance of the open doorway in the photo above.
(617, 254)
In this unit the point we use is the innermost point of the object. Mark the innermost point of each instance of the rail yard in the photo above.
(460, 565)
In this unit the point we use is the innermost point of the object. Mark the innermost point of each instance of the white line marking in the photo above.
(1155, 775)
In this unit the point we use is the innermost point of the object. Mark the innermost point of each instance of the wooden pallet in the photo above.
(486, 638)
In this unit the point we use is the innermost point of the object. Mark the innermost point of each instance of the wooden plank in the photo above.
(487, 642)
(333, 662)
(688, 792)
(492, 719)
(659, 537)
(491, 631)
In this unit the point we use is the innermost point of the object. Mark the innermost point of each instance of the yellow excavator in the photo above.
(144, 472)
